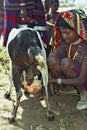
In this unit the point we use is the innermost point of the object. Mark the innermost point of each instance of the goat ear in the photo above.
(40, 60)
(30, 54)
(28, 51)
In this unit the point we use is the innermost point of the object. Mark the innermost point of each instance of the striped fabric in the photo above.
(62, 52)
(81, 52)
(1, 17)
(35, 11)
(77, 20)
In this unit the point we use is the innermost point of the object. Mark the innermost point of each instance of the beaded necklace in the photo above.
(76, 52)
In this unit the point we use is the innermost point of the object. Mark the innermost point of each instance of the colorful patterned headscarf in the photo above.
(76, 19)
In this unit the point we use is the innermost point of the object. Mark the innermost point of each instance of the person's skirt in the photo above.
(77, 70)
(1, 20)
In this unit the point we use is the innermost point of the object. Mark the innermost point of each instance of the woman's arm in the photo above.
(79, 80)
(47, 6)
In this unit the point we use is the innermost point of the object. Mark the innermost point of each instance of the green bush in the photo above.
(4, 60)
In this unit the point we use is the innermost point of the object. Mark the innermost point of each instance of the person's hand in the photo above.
(51, 81)
(55, 81)
(23, 14)
(24, 17)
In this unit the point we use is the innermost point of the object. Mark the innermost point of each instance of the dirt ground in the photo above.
(32, 115)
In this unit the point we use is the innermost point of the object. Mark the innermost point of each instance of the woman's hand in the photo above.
(24, 17)
(23, 14)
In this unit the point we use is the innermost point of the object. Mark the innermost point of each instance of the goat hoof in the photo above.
(11, 120)
(7, 96)
(51, 118)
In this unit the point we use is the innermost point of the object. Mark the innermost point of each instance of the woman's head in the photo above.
(74, 20)
(68, 34)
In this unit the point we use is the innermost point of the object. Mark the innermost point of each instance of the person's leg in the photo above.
(67, 66)
(69, 69)
(82, 104)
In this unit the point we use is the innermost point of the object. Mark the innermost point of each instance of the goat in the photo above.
(24, 49)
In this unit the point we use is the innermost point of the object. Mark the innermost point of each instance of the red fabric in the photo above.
(12, 17)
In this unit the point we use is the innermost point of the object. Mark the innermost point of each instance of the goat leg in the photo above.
(15, 108)
(50, 117)
(16, 80)
(7, 94)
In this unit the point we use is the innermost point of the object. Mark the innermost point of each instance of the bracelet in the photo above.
(22, 4)
(59, 81)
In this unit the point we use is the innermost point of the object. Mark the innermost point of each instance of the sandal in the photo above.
(81, 105)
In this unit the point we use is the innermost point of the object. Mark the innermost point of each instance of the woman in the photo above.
(72, 27)
(23, 12)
